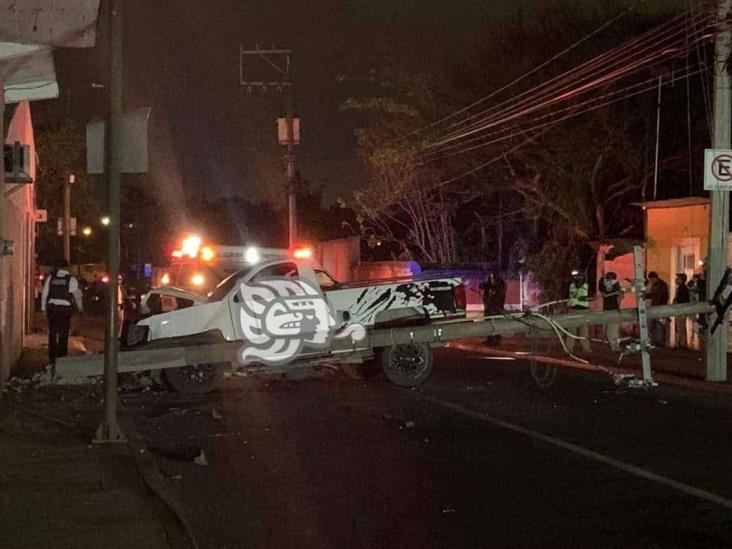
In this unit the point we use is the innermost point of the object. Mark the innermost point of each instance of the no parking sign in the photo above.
(717, 170)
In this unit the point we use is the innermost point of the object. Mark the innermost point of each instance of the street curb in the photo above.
(154, 481)
(668, 379)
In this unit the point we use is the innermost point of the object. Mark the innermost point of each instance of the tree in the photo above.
(403, 202)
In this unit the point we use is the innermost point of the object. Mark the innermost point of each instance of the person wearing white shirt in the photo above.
(60, 293)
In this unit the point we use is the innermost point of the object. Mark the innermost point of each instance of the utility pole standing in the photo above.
(291, 191)
(271, 69)
(715, 348)
(68, 181)
(109, 430)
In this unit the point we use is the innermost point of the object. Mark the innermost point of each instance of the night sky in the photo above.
(209, 135)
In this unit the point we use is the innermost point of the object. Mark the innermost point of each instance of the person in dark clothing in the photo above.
(494, 299)
(609, 288)
(682, 295)
(60, 292)
(698, 293)
(657, 294)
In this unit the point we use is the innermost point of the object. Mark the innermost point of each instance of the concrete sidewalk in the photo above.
(58, 490)
(680, 367)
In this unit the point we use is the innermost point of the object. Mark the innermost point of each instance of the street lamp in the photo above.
(105, 220)
(86, 231)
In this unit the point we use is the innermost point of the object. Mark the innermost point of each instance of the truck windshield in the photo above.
(224, 287)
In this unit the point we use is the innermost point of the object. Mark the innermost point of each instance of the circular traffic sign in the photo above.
(722, 167)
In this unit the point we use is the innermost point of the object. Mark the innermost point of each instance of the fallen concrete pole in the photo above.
(513, 323)
(340, 349)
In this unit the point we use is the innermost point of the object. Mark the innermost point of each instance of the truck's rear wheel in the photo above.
(195, 379)
(408, 364)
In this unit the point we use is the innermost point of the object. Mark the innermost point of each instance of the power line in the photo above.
(542, 128)
(487, 139)
(567, 85)
(585, 67)
(536, 69)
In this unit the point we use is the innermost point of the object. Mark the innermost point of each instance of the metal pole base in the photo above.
(109, 433)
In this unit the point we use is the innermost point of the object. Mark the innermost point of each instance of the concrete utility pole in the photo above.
(715, 348)
(274, 72)
(109, 430)
(291, 191)
(68, 181)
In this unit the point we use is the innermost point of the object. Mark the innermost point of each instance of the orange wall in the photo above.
(669, 227)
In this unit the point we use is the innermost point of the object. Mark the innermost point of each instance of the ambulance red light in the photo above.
(302, 253)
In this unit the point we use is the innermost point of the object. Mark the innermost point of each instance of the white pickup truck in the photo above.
(380, 304)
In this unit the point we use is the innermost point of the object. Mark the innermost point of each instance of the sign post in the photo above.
(715, 348)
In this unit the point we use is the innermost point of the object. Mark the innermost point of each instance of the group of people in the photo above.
(611, 291)
(656, 292)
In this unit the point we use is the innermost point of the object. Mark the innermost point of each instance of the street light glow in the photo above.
(86, 231)
(105, 220)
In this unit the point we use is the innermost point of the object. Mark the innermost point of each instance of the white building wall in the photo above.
(16, 305)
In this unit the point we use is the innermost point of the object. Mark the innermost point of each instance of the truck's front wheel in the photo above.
(408, 364)
(195, 379)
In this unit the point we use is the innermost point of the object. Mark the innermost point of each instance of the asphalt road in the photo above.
(480, 456)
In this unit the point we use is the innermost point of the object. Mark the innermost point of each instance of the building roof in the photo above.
(673, 203)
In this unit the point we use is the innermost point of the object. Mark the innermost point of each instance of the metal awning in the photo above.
(58, 23)
(29, 31)
(30, 73)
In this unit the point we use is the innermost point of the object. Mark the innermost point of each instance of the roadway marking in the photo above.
(589, 454)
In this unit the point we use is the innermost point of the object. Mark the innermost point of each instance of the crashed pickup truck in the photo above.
(397, 302)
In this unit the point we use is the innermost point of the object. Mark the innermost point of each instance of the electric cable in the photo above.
(618, 95)
(612, 59)
(536, 69)
(571, 88)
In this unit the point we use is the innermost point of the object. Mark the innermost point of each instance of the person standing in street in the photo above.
(494, 299)
(698, 293)
(60, 292)
(579, 300)
(657, 295)
(682, 295)
(611, 292)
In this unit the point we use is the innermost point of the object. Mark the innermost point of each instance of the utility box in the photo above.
(16, 163)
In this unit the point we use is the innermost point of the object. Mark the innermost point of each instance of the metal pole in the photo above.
(291, 196)
(715, 349)
(67, 219)
(658, 138)
(109, 430)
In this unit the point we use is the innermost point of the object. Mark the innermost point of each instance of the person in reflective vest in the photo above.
(60, 292)
(579, 300)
